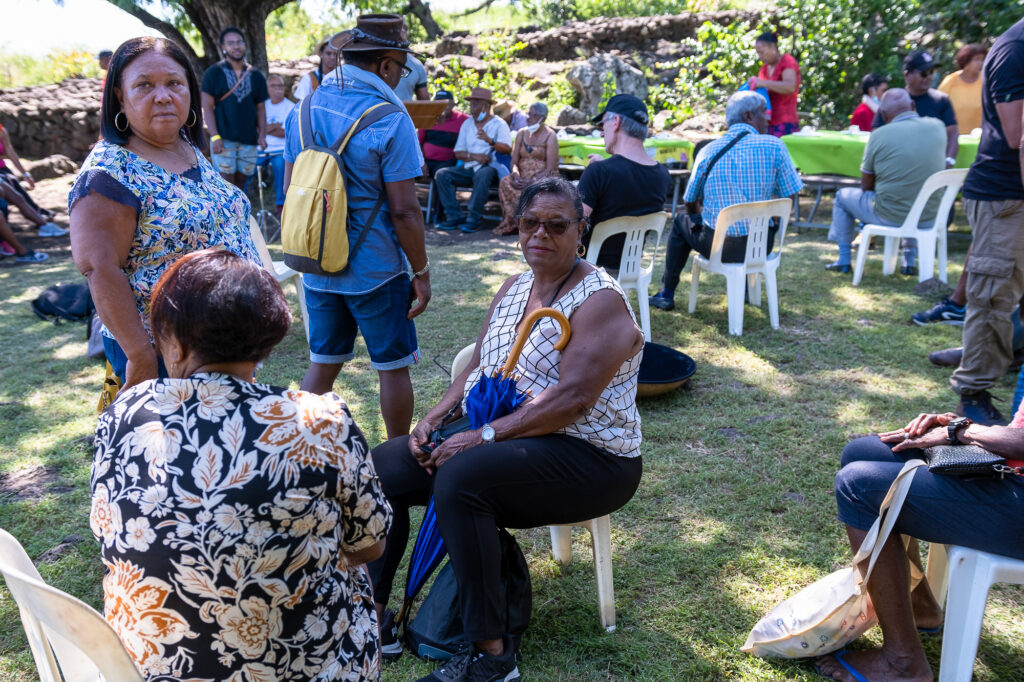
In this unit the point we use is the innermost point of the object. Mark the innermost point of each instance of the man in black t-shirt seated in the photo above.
(918, 71)
(629, 182)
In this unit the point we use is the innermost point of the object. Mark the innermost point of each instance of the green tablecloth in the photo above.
(839, 153)
(576, 149)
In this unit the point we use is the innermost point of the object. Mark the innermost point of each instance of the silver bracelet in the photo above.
(425, 270)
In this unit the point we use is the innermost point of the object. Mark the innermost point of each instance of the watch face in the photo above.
(487, 433)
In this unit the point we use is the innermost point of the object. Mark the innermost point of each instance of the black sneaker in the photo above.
(979, 409)
(470, 665)
(390, 647)
(945, 312)
(662, 302)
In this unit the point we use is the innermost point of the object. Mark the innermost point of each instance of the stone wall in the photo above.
(622, 35)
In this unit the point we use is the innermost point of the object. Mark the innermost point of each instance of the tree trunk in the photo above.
(422, 12)
(210, 17)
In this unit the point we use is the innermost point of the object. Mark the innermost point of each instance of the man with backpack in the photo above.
(233, 93)
(385, 263)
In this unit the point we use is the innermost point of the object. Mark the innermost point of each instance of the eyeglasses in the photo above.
(550, 226)
(234, 43)
(401, 65)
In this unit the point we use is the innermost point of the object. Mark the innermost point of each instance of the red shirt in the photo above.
(783, 106)
(863, 117)
(439, 142)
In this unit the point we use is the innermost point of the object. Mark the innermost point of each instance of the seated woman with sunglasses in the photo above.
(570, 452)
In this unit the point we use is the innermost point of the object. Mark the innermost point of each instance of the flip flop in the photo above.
(838, 655)
(930, 631)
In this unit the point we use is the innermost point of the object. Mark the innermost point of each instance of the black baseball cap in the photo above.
(444, 94)
(919, 61)
(624, 105)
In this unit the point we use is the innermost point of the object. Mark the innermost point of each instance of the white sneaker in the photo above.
(52, 229)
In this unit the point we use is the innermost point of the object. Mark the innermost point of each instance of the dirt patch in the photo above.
(30, 484)
(65, 546)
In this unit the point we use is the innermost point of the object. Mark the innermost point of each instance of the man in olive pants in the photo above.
(994, 203)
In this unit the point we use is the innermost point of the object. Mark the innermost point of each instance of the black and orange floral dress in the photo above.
(223, 509)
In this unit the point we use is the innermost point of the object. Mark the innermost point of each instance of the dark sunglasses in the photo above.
(550, 226)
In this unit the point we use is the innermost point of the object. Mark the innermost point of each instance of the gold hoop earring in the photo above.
(119, 128)
(581, 250)
(195, 118)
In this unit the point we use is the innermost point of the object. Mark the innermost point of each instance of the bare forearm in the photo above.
(409, 230)
(952, 142)
(502, 148)
(462, 155)
(1001, 440)
(555, 408)
(115, 304)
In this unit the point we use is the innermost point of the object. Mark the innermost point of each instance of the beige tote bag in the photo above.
(829, 614)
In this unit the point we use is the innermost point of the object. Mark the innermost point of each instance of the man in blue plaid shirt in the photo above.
(756, 167)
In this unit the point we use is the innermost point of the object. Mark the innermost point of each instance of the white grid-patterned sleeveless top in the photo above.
(613, 424)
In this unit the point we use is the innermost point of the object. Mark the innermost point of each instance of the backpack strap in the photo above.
(369, 117)
(305, 123)
(698, 196)
(248, 68)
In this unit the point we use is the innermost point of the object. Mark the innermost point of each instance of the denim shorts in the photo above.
(119, 361)
(236, 158)
(334, 320)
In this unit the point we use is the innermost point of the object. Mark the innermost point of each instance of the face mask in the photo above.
(874, 98)
(481, 116)
(534, 128)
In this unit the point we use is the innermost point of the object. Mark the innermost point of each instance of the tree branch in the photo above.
(484, 5)
(168, 30)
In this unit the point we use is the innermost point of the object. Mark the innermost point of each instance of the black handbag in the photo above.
(965, 461)
(448, 428)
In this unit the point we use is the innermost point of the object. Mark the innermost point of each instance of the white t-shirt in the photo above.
(304, 86)
(469, 142)
(277, 113)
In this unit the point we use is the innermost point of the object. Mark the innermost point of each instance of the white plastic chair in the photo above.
(66, 636)
(279, 270)
(971, 574)
(633, 274)
(930, 240)
(757, 262)
(561, 535)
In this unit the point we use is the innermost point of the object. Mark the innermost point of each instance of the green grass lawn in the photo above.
(735, 510)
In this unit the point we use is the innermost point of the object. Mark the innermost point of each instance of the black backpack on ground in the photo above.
(64, 302)
(436, 631)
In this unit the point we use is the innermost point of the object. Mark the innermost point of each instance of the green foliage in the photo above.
(292, 33)
(837, 42)
(19, 70)
(561, 94)
(557, 12)
(499, 50)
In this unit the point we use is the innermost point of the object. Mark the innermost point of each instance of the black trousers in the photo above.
(686, 237)
(519, 483)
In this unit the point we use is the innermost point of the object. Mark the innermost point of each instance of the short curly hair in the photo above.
(220, 307)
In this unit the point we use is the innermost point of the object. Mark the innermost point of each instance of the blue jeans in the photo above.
(852, 205)
(481, 180)
(981, 514)
(335, 319)
(275, 161)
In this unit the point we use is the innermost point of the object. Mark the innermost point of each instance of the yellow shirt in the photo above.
(966, 99)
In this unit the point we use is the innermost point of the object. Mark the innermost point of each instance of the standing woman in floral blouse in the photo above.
(146, 196)
(233, 516)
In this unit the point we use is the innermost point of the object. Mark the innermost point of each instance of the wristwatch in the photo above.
(950, 160)
(487, 433)
(953, 427)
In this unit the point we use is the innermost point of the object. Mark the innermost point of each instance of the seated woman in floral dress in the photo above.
(234, 517)
(534, 156)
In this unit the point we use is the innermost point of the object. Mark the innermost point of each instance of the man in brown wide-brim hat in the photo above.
(480, 139)
(382, 160)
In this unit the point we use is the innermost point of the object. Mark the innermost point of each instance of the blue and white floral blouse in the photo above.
(177, 213)
(223, 509)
